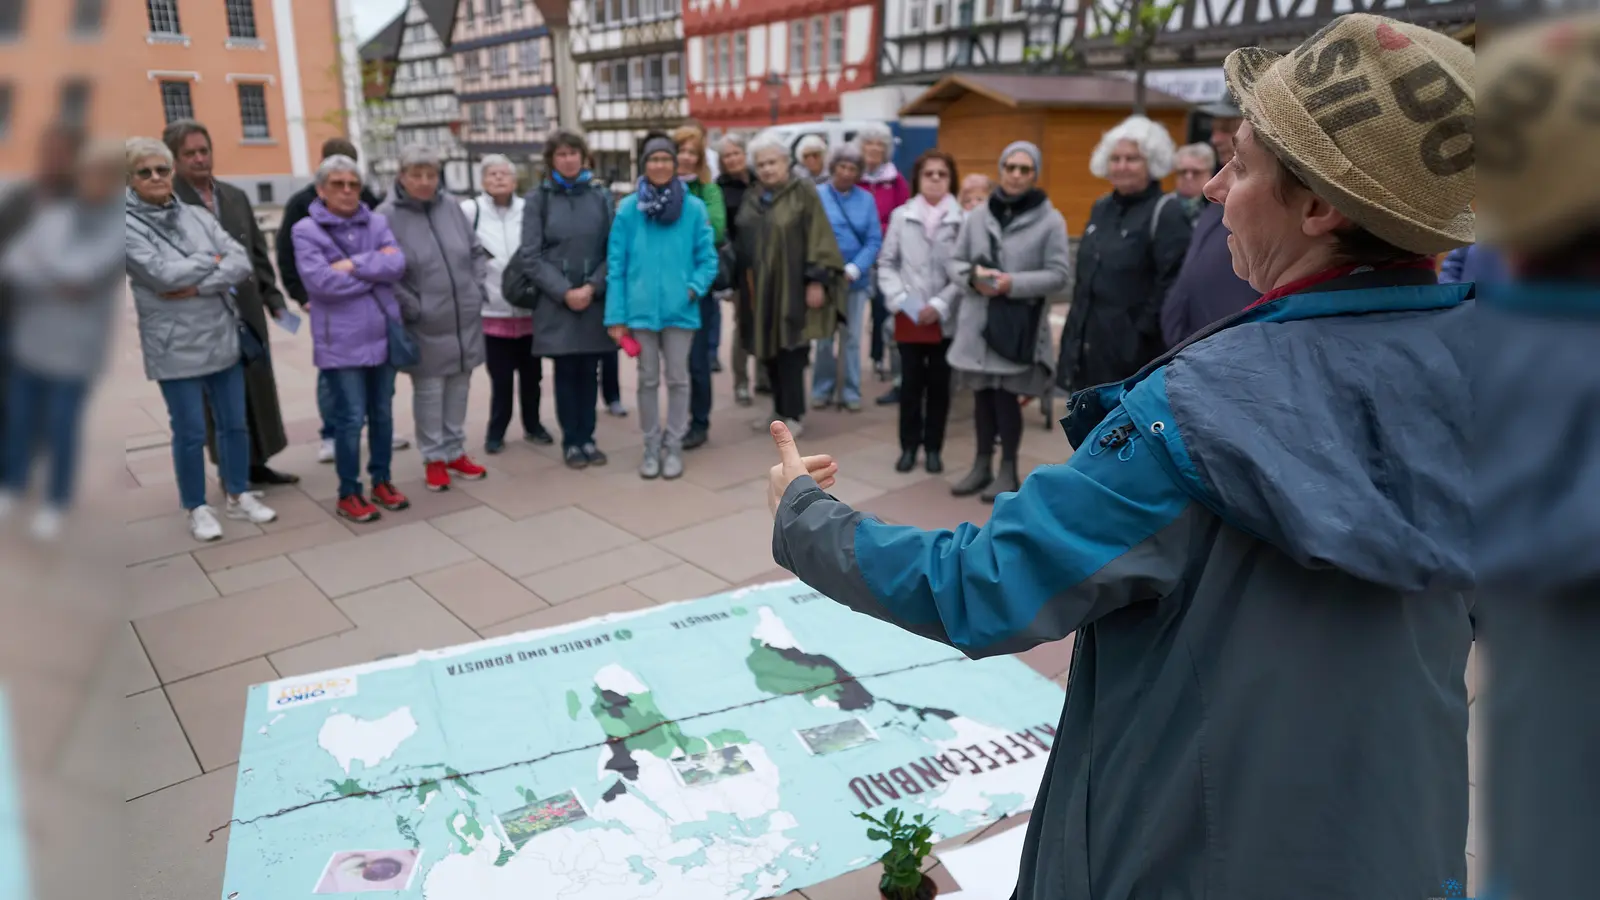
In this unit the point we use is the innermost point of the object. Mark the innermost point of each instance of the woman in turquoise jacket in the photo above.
(661, 259)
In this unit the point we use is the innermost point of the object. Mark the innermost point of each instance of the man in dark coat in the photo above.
(299, 207)
(195, 185)
(1207, 288)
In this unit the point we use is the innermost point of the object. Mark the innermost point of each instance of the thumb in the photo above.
(788, 453)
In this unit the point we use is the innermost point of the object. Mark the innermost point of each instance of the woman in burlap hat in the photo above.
(1537, 461)
(1261, 542)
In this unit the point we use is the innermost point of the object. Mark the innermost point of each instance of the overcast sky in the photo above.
(372, 15)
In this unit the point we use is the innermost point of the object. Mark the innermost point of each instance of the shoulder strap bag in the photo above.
(1012, 330)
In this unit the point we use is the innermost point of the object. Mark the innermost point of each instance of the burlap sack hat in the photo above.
(1539, 126)
(1376, 116)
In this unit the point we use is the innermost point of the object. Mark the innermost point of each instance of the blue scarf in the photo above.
(663, 204)
(562, 182)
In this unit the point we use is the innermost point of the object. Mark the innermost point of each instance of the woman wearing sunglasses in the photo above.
(1010, 260)
(183, 268)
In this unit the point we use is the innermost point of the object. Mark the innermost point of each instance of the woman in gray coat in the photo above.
(1010, 260)
(183, 268)
(441, 300)
(914, 276)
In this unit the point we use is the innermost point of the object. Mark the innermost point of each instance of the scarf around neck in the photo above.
(662, 204)
(1005, 207)
(932, 214)
(884, 174)
(562, 181)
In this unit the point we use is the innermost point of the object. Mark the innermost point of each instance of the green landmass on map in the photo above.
(347, 787)
(574, 705)
(789, 671)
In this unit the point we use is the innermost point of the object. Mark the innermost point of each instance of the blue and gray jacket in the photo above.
(1263, 545)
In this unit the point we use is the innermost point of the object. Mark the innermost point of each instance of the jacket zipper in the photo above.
(461, 347)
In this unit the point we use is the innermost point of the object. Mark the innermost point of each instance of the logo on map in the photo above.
(288, 694)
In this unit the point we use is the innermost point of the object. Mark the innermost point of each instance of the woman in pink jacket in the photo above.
(888, 187)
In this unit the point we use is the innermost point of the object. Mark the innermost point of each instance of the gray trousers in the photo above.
(667, 349)
(439, 405)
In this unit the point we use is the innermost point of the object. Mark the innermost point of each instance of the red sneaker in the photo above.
(466, 468)
(438, 477)
(388, 497)
(356, 508)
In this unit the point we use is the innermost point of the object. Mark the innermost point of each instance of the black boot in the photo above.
(908, 461)
(979, 478)
(1005, 481)
(935, 462)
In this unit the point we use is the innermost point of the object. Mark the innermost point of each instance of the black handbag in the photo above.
(724, 279)
(1012, 329)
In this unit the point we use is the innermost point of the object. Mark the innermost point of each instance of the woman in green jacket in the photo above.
(696, 174)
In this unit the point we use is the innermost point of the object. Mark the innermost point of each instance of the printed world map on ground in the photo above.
(716, 748)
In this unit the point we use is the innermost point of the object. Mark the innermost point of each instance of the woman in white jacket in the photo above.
(913, 273)
(496, 216)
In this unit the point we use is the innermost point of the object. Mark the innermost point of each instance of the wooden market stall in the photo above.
(1064, 114)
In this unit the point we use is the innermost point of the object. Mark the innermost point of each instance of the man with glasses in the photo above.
(195, 185)
(1206, 289)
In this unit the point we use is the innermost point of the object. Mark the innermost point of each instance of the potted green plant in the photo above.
(910, 842)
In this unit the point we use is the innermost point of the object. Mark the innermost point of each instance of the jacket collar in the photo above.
(952, 211)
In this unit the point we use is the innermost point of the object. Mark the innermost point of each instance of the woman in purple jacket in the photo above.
(349, 262)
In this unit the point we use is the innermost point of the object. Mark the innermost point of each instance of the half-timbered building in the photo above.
(505, 81)
(629, 57)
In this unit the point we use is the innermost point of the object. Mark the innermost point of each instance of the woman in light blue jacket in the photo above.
(660, 260)
(183, 267)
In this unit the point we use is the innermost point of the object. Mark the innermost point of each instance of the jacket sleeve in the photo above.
(1169, 246)
(378, 267)
(315, 263)
(235, 267)
(823, 261)
(542, 270)
(868, 254)
(716, 213)
(599, 277)
(288, 271)
(705, 254)
(1052, 279)
(1450, 269)
(617, 251)
(889, 281)
(1079, 541)
(147, 261)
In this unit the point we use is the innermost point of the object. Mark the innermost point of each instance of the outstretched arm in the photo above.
(1079, 541)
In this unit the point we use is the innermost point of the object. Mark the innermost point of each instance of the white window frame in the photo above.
(741, 57)
(916, 15)
(672, 75)
(836, 41)
(478, 116)
(636, 77)
(163, 16)
(255, 89)
(188, 101)
(534, 114)
(500, 61)
(241, 15)
(817, 45)
(505, 115)
(530, 56)
(713, 74)
(937, 16)
(602, 80)
(725, 51)
(797, 47)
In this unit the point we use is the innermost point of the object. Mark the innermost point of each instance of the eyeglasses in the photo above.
(940, 174)
(344, 185)
(1193, 173)
(1018, 168)
(149, 172)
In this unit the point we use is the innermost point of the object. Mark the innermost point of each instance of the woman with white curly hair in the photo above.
(1129, 255)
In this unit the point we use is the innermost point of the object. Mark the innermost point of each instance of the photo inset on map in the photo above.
(712, 766)
(824, 739)
(363, 871)
(523, 825)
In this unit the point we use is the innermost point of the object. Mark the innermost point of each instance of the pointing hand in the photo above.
(791, 465)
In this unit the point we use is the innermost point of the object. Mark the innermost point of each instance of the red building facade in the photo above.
(763, 62)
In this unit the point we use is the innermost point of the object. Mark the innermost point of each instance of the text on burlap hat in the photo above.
(1539, 125)
(1376, 116)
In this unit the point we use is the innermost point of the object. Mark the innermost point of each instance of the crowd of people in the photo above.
(947, 281)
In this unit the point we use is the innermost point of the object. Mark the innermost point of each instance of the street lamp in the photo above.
(774, 92)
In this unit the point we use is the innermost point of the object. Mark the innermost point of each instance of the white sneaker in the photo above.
(326, 452)
(203, 524)
(47, 523)
(401, 442)
(248, 507)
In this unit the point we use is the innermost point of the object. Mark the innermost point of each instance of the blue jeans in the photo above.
(53, 406)
(701, 353)
(362, 396)
(577, 386)
(325, 405)
(849, 337)
(186, 407)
